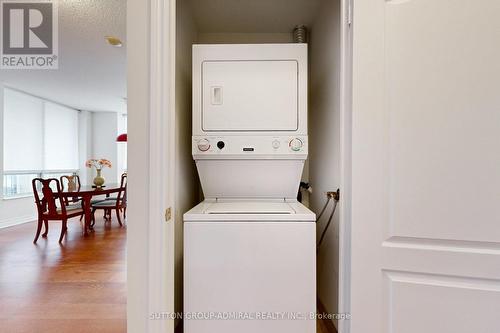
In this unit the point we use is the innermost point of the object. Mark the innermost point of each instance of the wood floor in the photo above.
(78, 286)
(325, 327)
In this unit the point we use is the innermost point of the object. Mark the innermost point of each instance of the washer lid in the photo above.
(249, 211)
(249, 207)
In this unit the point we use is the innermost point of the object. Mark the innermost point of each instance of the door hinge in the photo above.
(168, 214)
(349, 13)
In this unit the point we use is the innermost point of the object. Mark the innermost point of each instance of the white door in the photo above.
(426, 166)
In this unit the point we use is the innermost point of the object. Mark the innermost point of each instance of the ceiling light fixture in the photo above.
(114, 41)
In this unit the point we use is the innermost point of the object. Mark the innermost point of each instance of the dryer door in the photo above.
(250, 95)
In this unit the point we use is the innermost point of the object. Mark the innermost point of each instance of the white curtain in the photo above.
(38, 135)
(23, 132)
(60, 137)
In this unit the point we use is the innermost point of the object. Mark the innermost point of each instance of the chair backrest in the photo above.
(70, 180)
(47, 202)
(73, 185)
(122, 194)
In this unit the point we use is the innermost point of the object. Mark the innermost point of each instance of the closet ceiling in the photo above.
(252, 16)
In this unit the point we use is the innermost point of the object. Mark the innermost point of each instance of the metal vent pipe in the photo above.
(300, 34)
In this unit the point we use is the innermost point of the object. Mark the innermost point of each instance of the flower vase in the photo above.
(99, 180)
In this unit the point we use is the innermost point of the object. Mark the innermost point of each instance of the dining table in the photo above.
(85, 193)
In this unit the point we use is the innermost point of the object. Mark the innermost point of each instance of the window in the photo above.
(40, 139)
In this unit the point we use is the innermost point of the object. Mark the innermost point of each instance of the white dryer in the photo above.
(249, 247)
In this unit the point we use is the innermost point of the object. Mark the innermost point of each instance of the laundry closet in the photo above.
(201, 22)
(402, 117)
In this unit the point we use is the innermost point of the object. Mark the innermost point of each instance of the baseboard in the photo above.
(13, 221)
(327, 324)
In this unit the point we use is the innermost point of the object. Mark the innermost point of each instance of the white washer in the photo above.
(249, 248)
(252, 260)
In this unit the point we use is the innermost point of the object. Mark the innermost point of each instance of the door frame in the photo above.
(346, 63)
(151, 156)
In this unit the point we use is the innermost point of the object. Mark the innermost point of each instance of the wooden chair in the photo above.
(117, 204)
(123, 183)
(48, 209)
(72, 183)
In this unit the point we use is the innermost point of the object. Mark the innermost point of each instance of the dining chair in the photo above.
(51, 206)
(73, 184)
(117, 204)
(123, 182)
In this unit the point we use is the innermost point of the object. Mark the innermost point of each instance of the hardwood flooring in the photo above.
(78, 286)
(324, 325)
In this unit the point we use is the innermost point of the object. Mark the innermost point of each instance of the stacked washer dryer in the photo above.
(249, 247)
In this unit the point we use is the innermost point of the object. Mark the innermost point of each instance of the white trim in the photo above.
(344, 295)
(15, 197)
(13, 221)
(150, 240)
(162, 141)
(29, 172)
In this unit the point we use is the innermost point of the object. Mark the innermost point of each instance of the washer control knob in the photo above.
(203, 145)
(221, 144)
(276, 144)
(296, 144)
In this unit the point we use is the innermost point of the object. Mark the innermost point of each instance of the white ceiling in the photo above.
(91, 74)
(252, 16)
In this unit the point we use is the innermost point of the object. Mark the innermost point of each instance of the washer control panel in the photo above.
(249, 145)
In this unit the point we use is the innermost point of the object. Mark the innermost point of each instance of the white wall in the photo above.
(324, 139)
(84, 145)
(187, 184)
(121, 162)
(104, 129)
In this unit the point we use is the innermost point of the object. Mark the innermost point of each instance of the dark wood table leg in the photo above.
(88, 213)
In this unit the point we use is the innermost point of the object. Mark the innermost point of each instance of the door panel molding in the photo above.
(450, 303)
(463, 246)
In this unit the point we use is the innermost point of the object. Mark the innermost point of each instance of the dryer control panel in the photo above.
(242, 147)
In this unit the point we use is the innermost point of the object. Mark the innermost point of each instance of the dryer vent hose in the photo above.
(336, 197)
(300, 34)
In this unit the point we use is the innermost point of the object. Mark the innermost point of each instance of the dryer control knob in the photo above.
(276, 144)
(203, 145)
(295, 144)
